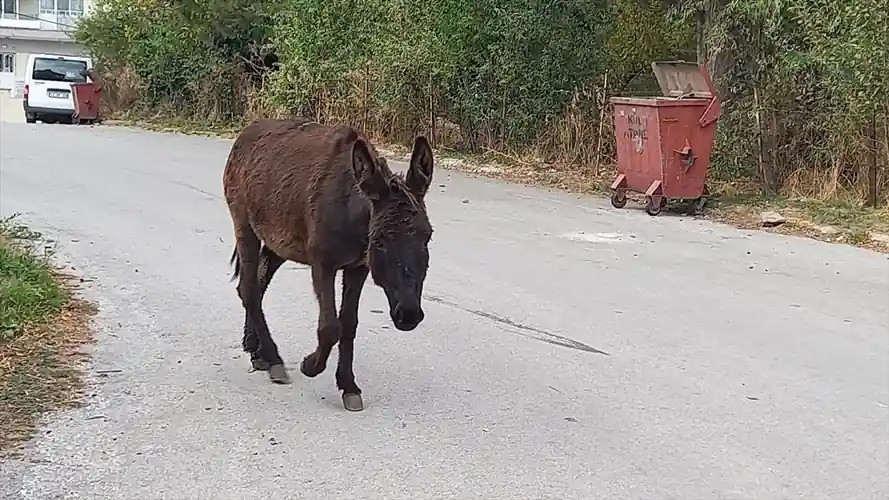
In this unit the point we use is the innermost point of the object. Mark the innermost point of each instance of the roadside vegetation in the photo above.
(804, 84)
(42, 328)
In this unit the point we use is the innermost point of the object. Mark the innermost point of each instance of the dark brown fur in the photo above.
(321, 196)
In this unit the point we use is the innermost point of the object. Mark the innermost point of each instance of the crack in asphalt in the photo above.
(521, 329)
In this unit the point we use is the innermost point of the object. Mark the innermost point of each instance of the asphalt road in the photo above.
(736, 365)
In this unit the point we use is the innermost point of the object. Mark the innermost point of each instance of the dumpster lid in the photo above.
(682, 79)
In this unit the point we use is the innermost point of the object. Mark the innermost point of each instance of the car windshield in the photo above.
(59, 70)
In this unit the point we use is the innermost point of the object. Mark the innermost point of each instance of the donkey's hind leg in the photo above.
(251, 298)
(269, 263)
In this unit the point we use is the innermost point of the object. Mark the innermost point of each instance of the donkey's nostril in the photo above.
(400, 315)
(416, 316)
(407, 318)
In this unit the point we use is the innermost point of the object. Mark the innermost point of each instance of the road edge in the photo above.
(735, 214)
(43, 365)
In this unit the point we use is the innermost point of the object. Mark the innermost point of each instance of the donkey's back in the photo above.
(289, 178)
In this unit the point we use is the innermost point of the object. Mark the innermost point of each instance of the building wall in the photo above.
(11, 108)
(43, 15)
(37, 26)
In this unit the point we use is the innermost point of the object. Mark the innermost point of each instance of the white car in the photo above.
(48, 77)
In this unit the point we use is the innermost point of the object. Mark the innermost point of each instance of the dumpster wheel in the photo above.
(654, 204)
(699, 205)
(618, 200)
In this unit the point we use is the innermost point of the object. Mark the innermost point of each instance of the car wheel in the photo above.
(30, 118)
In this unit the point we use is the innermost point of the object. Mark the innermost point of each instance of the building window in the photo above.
(7, 63)
(53, 6)
(9, 8)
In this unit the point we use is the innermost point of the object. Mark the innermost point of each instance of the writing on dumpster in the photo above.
(636, 131)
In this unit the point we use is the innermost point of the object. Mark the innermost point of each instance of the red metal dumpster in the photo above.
(664, 143)
(86, 101)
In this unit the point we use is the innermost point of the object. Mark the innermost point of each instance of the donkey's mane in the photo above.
(398, 183)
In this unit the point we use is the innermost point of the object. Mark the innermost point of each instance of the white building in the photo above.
(33, 27)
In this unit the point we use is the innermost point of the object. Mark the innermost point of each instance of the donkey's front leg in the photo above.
(329, 328)
(353, 282)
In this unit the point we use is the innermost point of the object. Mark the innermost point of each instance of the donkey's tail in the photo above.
(236, 262)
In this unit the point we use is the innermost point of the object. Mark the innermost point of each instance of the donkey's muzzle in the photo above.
(407, 318)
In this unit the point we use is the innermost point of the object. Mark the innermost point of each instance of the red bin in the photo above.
(86, 101)
(664, 143)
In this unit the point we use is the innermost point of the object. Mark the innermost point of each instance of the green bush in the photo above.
(184, 58)
(804, 82)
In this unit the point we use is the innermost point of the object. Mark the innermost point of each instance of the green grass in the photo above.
(29, 294)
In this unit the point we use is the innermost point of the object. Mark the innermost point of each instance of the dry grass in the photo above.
(44, 330)
(834, 184)
(836, 220)
(841, 220)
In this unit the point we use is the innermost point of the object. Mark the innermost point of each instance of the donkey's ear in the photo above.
(419, 173)
(370, 177)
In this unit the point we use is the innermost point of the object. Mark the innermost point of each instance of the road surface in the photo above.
(570, 350)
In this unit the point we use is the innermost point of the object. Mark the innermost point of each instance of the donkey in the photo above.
(322, 196)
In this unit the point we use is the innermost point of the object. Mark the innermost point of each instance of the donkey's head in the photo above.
(397, 254)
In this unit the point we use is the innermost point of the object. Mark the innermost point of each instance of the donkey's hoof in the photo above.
(353, 402)
(259, 365)
(278, 374)
(309, 368)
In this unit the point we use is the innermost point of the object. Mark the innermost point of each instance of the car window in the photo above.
(59, 70)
